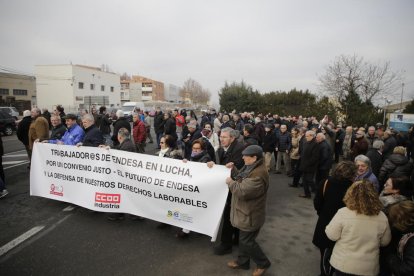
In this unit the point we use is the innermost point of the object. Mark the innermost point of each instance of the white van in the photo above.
(130, 107)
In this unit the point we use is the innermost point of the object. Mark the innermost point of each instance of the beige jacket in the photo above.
(358, 239)
(39, 129)
(248, 202)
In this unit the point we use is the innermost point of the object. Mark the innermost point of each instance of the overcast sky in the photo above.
(271, 45)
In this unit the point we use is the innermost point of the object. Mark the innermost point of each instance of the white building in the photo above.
(76, 87)
(172, 93)
(131, 91)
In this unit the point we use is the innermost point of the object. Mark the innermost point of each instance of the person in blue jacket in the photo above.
(72, 136)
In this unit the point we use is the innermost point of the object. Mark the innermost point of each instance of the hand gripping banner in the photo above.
(188, 195)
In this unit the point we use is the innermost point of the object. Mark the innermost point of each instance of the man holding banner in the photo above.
(248, 204)
(229, 151)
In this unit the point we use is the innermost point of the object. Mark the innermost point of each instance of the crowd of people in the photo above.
(361, 177)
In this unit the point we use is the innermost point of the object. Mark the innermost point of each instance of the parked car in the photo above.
(12, 111)
(7, 123)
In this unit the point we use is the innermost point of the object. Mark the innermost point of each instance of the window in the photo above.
(112, 89)
(92, 86)
(4, 91)
(19, 92)
(102, 87)
(80, 85)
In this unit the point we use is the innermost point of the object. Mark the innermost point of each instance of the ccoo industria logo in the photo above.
(56, 190)
(111, 201)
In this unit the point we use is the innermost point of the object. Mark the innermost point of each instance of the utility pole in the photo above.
(402, 93)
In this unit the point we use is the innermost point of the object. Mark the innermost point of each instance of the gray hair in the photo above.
(37, 110)
(88, 117)
(26, 113)
(119, 113)
(321, 136)
(232, 132)
(364, 159)
(311, 132)
(123, 132)
(378, 144)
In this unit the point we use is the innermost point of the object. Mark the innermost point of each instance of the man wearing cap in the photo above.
(73, 135)
(248, 205)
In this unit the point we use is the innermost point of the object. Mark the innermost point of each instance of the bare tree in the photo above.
(194, 92)
(351, 74)
(125, 77)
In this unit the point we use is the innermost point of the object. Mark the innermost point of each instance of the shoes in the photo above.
(222, 250)
(278, 172)
(293, 185)
(115, 216)
(133, 217)
(259, 271)
(235, 265)
(305, 196)
(181, 235)
(4, 193)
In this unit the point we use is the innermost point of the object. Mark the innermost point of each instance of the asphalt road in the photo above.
(75, 241)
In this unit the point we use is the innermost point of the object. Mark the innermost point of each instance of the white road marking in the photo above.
(12, 244)
(15, 155)
(22, 163)
(34, 239)
(11, 153)
(69, 208)
(12, 162)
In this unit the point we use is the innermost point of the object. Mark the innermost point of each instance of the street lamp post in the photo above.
(402, 94)
(385, 104)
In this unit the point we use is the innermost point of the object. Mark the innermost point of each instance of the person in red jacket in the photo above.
(139, 133)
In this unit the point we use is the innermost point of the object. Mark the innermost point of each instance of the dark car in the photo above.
(7, 123)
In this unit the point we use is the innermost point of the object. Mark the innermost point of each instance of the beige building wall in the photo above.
(15, 87)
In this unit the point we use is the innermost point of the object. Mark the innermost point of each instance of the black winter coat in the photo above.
(283, 141)
(259, 130)
(93, 137)
(396, 165)
(389, 146)
(250, 140)
(159, 123)
(104, 124)
(57, 132)
(376, 160)
(309, 156)
(326, 206)
(118, 124)
(402, 266)
(233, 154)
(170, 127)
(127, 145)
(269, 141)
(325, 156)
(23, 130)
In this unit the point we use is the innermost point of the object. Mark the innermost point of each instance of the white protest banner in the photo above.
(188, 195)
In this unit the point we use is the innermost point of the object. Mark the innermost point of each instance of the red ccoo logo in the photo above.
(108, 198)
